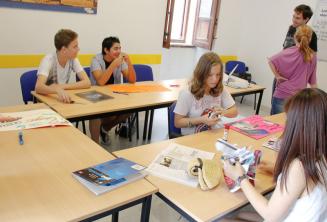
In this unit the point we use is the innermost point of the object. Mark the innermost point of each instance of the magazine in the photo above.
(273, 143)
(33, 119)
(172, 162)
(247, 158)
(94, 96)
(256, 127)
(109, 175)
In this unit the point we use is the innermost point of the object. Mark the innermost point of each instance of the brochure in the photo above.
(94, 96)
(256, 127)
(247, 158)
(33, 119)
(109, 175)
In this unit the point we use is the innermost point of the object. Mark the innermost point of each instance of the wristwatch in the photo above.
(240, 179)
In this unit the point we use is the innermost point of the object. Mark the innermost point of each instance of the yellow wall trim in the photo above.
(29, 61)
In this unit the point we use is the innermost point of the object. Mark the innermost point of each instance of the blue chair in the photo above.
(27, 84)
(88, 73)
(241, 68)
(173, 132)
(143, 73)
(241, 72)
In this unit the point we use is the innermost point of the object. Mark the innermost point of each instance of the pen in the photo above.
(20, 138)
(120, 93)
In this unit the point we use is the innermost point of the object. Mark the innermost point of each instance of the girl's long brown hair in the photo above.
(305, 137)
(303, 36)
(201, 73)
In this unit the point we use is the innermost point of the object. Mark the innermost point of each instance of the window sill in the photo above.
(181, 45)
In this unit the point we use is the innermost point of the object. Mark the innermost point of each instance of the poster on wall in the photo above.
(79, 6)
(319, 25)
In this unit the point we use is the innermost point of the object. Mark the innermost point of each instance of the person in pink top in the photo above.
(294, 68)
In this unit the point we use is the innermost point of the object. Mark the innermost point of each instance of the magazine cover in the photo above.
(109, 175)
(256, 127)
(94, 96)
(33, 119)
(172, 163)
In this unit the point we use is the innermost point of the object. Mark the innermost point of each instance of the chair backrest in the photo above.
(27, 84)
(173, 132)
(143, 73)
(241, 68)
(88, 73)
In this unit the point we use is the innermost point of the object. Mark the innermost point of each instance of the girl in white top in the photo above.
(206, 94)
(300, 169)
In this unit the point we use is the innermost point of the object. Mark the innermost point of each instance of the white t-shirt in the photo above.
(188, 105)
(54, 72)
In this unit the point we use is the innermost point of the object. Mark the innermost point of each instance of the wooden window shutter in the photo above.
(206, 19)
(168, 22)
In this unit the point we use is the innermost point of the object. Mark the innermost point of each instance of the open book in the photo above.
(109, 175)
(256, 127)
(33, 119)
(172, 162)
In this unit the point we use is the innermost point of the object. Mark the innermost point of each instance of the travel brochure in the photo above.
(109, 175)
(94, 96)
(256, 127)
(247, 158)
(33, 119)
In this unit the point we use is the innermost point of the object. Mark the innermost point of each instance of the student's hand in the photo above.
(281, 78)
(231, 171)
(118, 61)
(126, 58)
(210, 121)
(8, 119)
(63, 95)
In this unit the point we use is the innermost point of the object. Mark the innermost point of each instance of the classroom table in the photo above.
(193, 203)
(36, 182)
(130, 103)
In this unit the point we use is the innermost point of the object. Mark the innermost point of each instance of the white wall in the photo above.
(138, 24)
(252, 30)
(263, 33)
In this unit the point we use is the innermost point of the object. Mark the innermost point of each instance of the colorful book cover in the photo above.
(109, 175)
(256, 127)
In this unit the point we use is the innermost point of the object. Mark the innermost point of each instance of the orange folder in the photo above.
(132, 88)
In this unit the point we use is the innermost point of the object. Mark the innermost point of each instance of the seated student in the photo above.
(7, 119)
(55, 69)
(109, 67)
(293, 68)
(205, 94)
(300, 168)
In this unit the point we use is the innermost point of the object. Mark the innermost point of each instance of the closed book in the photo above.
(109, 175)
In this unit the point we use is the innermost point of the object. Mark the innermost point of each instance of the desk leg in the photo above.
(114, 216)
(259, 103)
(150, 124)
(145, 124)
(146, 207)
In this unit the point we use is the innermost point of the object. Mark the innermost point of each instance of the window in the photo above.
(190, 22)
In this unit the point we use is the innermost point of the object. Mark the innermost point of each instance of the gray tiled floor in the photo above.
(159, 210)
